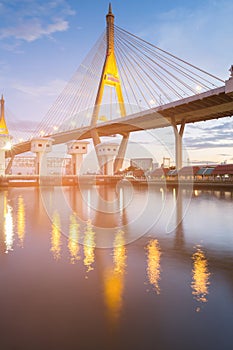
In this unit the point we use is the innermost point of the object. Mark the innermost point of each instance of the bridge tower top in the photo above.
(110, 75)
(3, 126)
(110, 30)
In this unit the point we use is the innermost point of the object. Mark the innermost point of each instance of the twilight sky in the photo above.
(42, 44)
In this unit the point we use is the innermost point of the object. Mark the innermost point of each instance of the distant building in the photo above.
(154, 166)
(188, 172)
(143, 163)
(59, 166)
(223, 171)
(23, 165)
(159, 173)
(26, 165)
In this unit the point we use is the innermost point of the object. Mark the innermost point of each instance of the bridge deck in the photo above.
(213, 104)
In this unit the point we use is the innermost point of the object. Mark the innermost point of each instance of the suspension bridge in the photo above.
(126, 84)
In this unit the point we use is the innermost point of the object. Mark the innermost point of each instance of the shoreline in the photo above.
(93, 180)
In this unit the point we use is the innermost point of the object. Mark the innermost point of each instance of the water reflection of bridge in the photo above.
(77, 235)
(94, 210)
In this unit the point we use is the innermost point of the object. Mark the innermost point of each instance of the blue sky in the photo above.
(42, 43)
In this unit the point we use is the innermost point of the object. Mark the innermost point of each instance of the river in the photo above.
(116, 268)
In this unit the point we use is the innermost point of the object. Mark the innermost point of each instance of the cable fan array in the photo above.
(153, 76)
(20, 130)
(149, 77)
(69, 111)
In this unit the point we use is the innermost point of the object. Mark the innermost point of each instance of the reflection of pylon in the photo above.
(109, 77)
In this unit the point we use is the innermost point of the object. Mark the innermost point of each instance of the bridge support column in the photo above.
(41, 146)
(9, 165)
(5, 144)
(2, 157)
(106, 153)
(96, 141)
(178, 144)
(77, 149)
(95, 137)
(121, 152)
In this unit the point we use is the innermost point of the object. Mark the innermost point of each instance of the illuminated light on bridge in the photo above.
(198, 88)
(7, 146)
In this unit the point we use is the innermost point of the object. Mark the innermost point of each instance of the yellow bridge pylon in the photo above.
(110, 77)
(3, 126)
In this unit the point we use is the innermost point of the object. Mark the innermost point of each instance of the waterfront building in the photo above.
(188, 172)
(143, 163)
(27, 165)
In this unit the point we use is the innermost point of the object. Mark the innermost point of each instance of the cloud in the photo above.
(31, 20)
(197, 144)
(3, 67)
(226, 125)
(23, 125)
(203, 141)
(214, 125)
(11, 47)
(33, 30)
(210, 134)
(50, 89)
(199, 162)
(224, 154)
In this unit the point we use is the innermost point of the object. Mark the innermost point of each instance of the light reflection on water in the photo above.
(201, 275)
(89, 246)
(73, 240)
(153, 263)
(114, 279)
(21, 220)
(183, 278)
(56, 236)
(9, 228)
(119, 254)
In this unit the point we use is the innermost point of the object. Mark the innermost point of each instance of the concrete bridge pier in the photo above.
(121, 152)
(76, 149)
(106, 154)
(41, 146)
(178, 144)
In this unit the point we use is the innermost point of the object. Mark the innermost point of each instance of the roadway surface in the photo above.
(213, 104)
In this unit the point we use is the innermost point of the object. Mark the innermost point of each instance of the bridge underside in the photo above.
(213, 104)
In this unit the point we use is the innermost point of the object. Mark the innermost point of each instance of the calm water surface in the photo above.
(116, 268)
